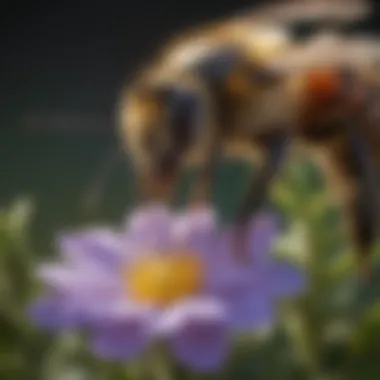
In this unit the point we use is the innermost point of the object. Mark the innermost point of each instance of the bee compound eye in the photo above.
(218, 64)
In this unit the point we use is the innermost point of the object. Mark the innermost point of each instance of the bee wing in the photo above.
(287, 12)
(367, 47)
(328, 50)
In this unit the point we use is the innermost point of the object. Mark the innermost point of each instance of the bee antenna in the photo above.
(294, 11)
(96, 187)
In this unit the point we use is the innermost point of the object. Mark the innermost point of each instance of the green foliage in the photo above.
(332, 332)
(230, 183)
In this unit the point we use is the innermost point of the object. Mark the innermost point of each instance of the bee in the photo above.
(237, 81)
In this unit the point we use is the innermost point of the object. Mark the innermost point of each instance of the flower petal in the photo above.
(284, 279)
(54, 313)
(121, 331)
(197, 331)
(151, 226)
(252, 311)
(99, 245)
(262, 234)
(196, 229)
(78, 281)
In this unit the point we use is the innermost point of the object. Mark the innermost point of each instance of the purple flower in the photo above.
(168, 276)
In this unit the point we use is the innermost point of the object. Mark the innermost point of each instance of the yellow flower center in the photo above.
(165, 278)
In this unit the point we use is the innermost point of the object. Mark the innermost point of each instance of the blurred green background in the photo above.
(56, 171)
(333, 332)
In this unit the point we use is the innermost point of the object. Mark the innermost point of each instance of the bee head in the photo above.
(161, 124)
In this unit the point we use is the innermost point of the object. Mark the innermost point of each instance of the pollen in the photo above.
(164, 278)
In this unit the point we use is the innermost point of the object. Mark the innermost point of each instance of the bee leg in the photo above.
(362, 200)
(361, 211)
(203, 186)
(275, 147)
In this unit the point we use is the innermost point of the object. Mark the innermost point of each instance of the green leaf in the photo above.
(364, 350)
(19, 215)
